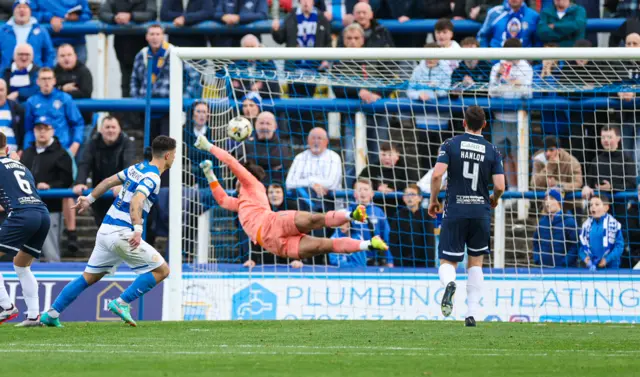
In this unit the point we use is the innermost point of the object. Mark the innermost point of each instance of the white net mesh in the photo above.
(563, 124)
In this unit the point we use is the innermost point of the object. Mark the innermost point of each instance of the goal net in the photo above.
(338, 127)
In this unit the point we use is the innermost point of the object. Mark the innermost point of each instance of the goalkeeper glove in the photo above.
(207, 169)
(202, 143)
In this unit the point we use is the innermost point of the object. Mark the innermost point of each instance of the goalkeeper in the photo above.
(281, 233)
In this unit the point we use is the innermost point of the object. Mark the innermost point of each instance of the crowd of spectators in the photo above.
(43, 71)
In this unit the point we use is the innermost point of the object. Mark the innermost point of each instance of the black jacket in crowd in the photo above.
(480, 74)
(81, 76)
(617, 167)
(288, 34)
(100, 161)
(53, 166)
(192, 157)
(353, 71)
(396, 177)
(127, 46)
(274, 156)
(412, 238)
(375, 36)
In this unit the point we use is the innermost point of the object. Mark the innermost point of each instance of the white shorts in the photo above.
(112, 248)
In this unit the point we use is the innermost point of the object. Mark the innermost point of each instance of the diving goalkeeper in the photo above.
(281, 233)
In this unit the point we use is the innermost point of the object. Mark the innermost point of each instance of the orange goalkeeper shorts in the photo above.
(279, 235)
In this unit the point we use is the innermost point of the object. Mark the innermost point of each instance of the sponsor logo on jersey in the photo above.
(470, 146)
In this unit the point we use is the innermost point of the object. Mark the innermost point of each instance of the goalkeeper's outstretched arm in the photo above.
(244, 176)
(225, 201)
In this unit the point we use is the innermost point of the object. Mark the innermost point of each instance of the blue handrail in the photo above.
(261, 27)
(627, 195)
(159, 105)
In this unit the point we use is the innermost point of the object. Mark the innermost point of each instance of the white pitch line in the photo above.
(191, 353)
(496, 351)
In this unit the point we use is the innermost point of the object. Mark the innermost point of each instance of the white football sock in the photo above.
(364, 245)
(447, 273)
(5, 302)
(29, 286)
(474, 290)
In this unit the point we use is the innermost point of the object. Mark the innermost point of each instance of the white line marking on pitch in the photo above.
(188, 353)
(496, 351)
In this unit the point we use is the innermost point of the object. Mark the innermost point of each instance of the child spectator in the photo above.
(279, 202)
(510, 79)
(358, 259)
(430, 81)
(412, 232)
(601, 242)
(555, 241)
(376, 224)
(444, 39)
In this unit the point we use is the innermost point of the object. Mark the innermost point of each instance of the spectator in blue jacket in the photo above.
(238, 12)
(513, 19)
(555, 241)
(22, 28)
(377, 224)
(58, 13)
(196, 11)
(57, 106)
(22, 75)
(564, 23)
(601, 242)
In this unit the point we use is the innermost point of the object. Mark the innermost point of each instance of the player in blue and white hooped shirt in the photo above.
(119, 238)
(21, 234)
(471, 163)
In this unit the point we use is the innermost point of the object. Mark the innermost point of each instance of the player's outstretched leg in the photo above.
(474, 289)
(68, 295)
(447, 274)
(307, 221)
(311, 246)
(22, 266)
(8, 310)
(143, 284)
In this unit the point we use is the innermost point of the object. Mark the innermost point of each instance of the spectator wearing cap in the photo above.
(74, 78)
(11, 120)
(160, 51)
(555, 167)
(555, 241)
(238, 12)
(251, 106)
(22, 75)
(58, 13)
(23, 28)
(51, 167)
(184, 14)
(108, 152)
(63, 114)
(125, 12)
(268, 84)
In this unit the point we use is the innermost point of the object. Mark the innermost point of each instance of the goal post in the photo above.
(209, 281)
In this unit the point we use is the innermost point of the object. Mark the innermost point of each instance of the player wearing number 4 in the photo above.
(119, 238)
(471, 163)
(281, 233)
(22, 234)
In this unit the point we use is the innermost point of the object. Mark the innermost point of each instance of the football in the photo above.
(239, 128)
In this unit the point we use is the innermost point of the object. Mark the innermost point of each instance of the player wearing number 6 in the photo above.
(281, 233)
(21, 234)
(119, 238)
(471, 163)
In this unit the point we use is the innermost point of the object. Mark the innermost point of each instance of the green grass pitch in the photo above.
(321, 348)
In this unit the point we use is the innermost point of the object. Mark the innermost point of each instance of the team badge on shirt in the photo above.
(57, 104)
